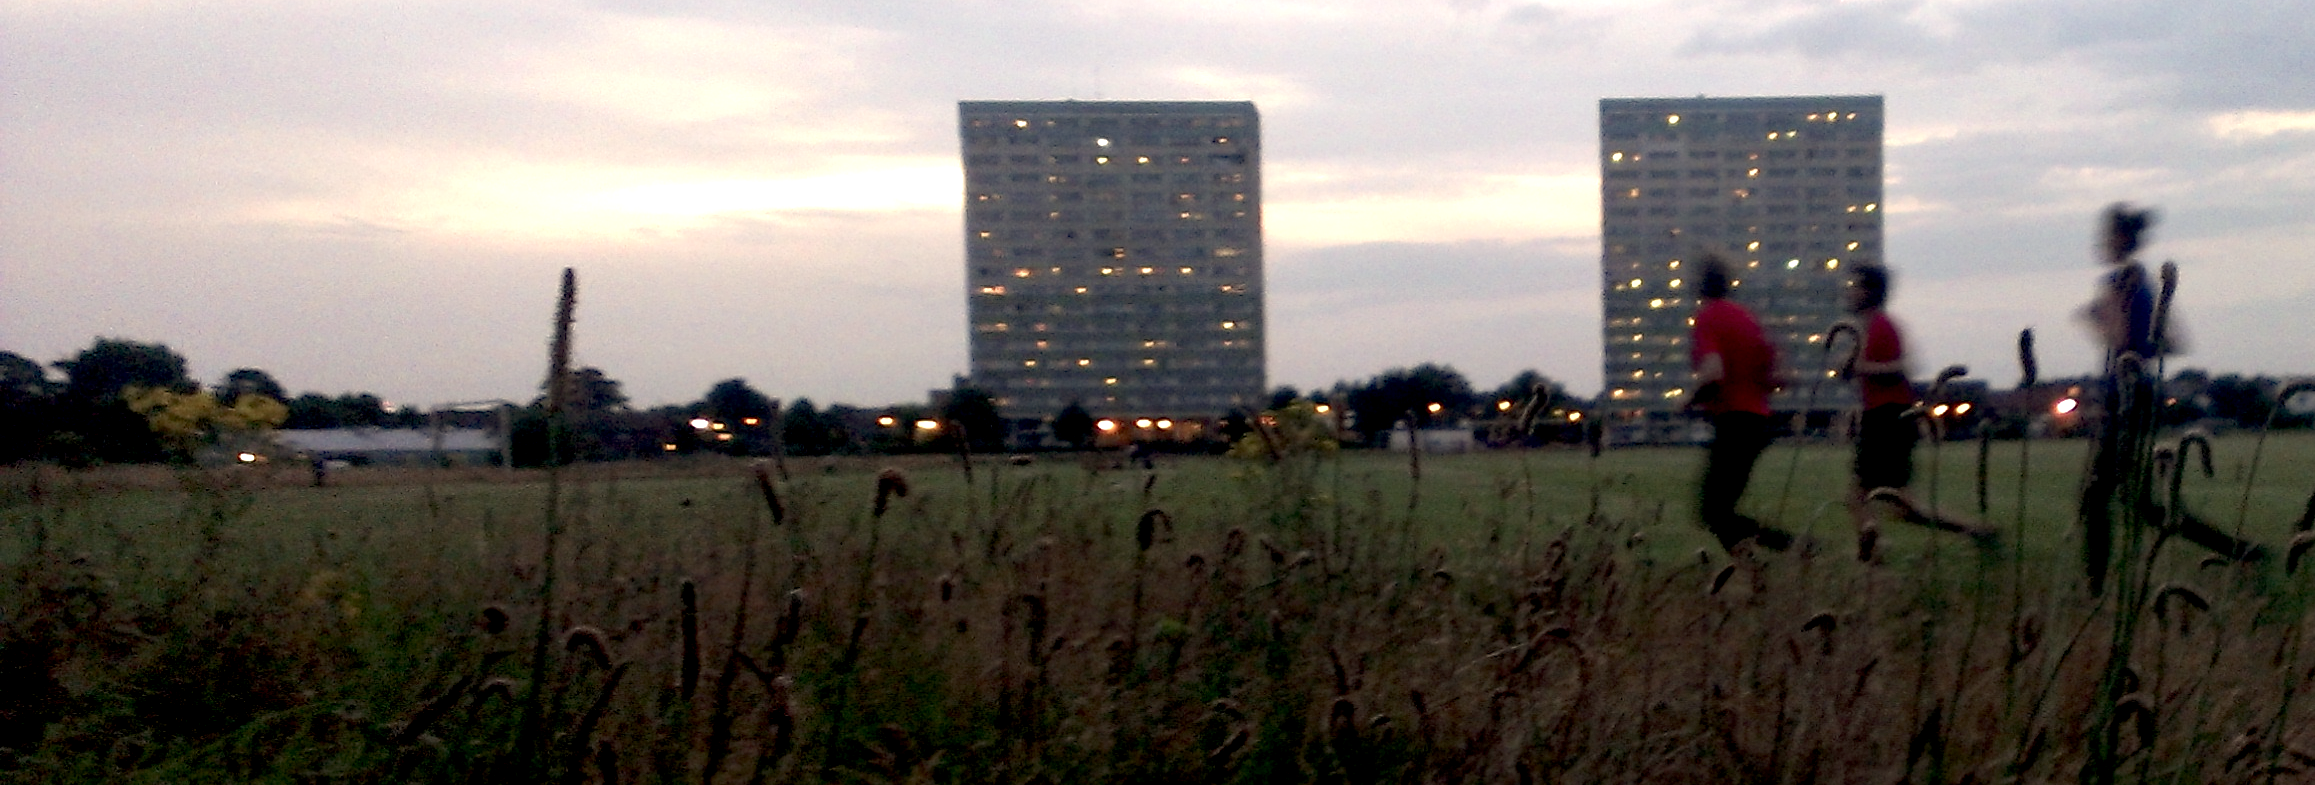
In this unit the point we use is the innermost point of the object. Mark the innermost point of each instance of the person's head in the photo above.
(1868, 287)
(2123, 229)
(1712, 277)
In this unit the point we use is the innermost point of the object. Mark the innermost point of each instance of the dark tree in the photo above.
(1074, 425)
(975, 414)
(732, 403)
(806, 431)
(1284, 396)
(27, 401)
(91, 406)
(99, 372)
(248, 381)
(1407, 394)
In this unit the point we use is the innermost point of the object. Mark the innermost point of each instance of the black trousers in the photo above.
(1737, 441)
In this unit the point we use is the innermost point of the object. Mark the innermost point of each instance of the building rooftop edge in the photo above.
(1146, 106)
(1759, 100)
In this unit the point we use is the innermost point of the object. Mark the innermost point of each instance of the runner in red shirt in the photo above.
(1885, 432)
(1735, 369)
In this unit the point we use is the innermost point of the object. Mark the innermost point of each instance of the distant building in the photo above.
(1786, 189)
(1114, 258)
(394, 447)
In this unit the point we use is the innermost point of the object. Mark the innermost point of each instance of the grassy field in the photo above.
(1531, 616)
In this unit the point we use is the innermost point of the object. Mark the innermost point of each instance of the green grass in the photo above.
(1555, 612)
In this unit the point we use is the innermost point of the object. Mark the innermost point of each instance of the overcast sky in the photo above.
(378, 196)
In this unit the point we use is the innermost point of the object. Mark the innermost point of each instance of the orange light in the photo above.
(1435, 408)
(2065, 406)
(886, 421)
(1503, 406)
(1106, 425)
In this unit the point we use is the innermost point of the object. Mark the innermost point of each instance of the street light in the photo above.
(885, 421)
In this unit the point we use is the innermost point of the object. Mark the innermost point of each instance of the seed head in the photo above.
(587, 642)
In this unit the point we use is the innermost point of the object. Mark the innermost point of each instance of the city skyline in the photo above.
(378, 197)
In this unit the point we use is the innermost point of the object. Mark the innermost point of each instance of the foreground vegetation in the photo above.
(1540, 616)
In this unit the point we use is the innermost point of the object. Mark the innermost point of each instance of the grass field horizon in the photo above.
(1507, 616)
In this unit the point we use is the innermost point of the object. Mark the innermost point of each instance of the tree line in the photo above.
(81, 414)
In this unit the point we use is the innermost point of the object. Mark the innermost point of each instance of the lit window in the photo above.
(1635, 283)
(1028, 363)
(1832, 264)
(1752, 246)
(1656, 303)
(1187, 271)
(1872, 207)
(1852, 246)
(1101, 159)
(1752, 172)
(1229, 325)
(1109, 380)
(1082, 362)
(1672, 119)
(1101, 143)
(1141, 159)
(1675, 283)
(1081, 290)
(1675, 264)
(1674, 392)
(1147, 361)
(1816, 338)
(1020, 123)
(1108, 271)
(1042, 344)
(1793, 264)
(995, 290)
(1021, 272)
(1106, 425)
(1148, 270)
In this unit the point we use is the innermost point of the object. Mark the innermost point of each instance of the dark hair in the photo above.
(2127, 226)
(1712, 280)
(1873, 280)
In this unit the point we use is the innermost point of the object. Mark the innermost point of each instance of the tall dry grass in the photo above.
(1097, 626)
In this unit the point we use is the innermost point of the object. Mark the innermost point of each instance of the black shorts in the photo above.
(1885, 440)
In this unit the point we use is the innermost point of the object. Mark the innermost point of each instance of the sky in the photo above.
(380, 196)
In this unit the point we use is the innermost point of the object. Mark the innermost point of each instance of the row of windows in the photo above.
(1104, 326)
(1627, 157)
(1709, 211)
(1111, 344)
(1098, 178)
(1620, 179)
(1110, 271)
(1064, 365)
(1120, 233)
(1826, 115)
(1013, 381)
(987, 215)
(1105, 294)
(1772, 136)
(1108, 121)
(1135, 197)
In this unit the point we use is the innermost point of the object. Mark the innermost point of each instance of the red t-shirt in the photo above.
(1747, 359)
(1883, 344)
